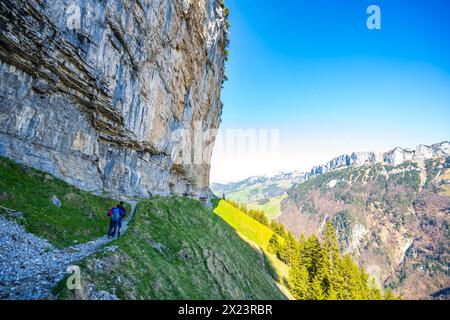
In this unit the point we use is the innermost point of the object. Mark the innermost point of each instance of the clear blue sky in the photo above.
(315, 71)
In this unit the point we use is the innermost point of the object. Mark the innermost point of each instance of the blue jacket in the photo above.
(116, 214)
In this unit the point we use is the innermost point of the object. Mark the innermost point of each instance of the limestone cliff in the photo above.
(394, 157)
(92, 91)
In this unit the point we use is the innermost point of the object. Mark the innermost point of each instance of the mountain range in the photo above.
(266, 192)
(390, 211)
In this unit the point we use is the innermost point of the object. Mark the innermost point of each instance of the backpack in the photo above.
(114, 214)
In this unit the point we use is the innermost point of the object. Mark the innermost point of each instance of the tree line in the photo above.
(317, 269)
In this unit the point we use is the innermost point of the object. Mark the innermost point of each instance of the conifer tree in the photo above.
(291, 249)
(339, 279)
(364, 285)
(318, 271)
(352, 279)
(374, 292)
(315, 290)
(313, 256)
(330, 246)
(275, 245)
(299, 281)
(278, 228)
(331, 258)
(389, 295)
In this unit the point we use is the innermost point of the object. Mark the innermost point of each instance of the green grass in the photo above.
(243, 195)
(81, 217)
(260, 196)
(202, 257)
(251, 231)
(244, 224)
(272, 208)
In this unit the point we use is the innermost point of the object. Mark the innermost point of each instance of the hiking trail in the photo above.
(30, 266)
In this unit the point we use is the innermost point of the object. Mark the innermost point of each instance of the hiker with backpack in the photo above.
(123, 214)
(116, 215)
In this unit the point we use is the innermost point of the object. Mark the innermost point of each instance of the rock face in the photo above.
(393, 157)
(94, 92)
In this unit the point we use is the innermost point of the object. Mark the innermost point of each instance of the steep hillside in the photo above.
(393, 219)
(254, 233)
(176, 249)
(49, 207)
(306, 269)
(97, 93)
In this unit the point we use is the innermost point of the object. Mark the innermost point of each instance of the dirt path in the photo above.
(30, 266)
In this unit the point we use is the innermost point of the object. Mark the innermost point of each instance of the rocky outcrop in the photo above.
(393, 157)
(94, 92)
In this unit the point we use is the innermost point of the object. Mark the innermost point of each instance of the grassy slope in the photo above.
(272, 208)
(81, 218)
(244, 224)
(201, 257)
(251, 231)
(254, 195)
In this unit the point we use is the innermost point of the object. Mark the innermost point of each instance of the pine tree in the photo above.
(389, 295)
(317, 270)
(352, 278)
(278, 228)
(339, 279)
(301, 248)
(331, 246)
(291, 249)
(299, 281)
(374, 292)
(315, 290)
(313, 256)
(275, 245)
(331, 258)
(364, 285)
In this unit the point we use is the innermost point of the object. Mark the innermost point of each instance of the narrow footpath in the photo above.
(30, 266)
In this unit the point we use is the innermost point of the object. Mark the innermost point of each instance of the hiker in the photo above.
(115, 214)
(123, 213)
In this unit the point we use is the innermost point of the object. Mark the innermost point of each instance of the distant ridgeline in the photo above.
(267, 192)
